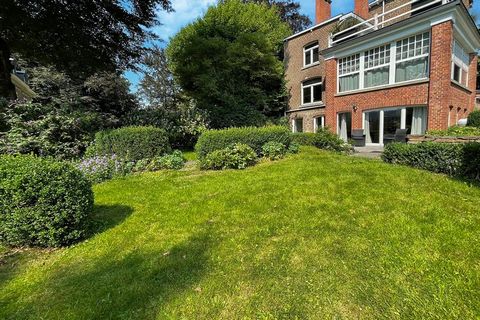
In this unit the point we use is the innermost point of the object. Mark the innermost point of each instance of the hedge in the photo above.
(323, 139)
(43, 202)
(254, 137)
(132, 143)
(452, 159)
(474, 119)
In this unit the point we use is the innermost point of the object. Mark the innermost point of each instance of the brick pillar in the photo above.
(330, 90)
(323, 10)
(361, 9)
(472, 81)
(440, 76)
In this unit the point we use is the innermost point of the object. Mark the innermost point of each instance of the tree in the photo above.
(157, 86)
(289, 11)
(79, 37)
(227, 61)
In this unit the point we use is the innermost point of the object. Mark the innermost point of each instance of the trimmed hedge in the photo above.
(43, 202)
(452, 159)
(323, 139)
(474, 119)
(132, 143)
(256, 138)
(456, 131)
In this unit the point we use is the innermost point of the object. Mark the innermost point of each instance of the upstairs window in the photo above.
(349, 73)
(311, 91)
(377, 66)
(311, 54)
(412, 58)
(460, 64)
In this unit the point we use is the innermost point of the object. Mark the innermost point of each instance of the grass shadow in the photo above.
(136, 286)
(105, 217)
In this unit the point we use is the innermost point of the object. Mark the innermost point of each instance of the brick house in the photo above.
(390, 64)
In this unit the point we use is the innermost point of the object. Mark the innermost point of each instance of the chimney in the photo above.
(361, 9)
(323, 11)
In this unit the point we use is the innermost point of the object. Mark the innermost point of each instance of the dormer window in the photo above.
(311, 91)
(311, 54)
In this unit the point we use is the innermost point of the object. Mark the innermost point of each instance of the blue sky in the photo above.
(187, 11)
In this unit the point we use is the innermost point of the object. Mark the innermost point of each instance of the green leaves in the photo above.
(228, 62)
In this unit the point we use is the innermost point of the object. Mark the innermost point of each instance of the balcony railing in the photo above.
(378, 21)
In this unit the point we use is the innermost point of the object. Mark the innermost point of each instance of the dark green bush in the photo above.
(254, 137)
(174, 161)
(474, 119)
(132, 143)
(452, 159)
(274, 150)
(304, 138)
(237, 156)
(43, 202)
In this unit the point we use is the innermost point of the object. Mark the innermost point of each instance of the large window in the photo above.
(395, 62)
(412, 57)
(311, 54)
(377, 66)
(349, 73)
(311, 91)
(460, 64)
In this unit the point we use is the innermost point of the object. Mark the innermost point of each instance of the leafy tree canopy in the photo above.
(289, 11)
(80, 37)
(227, 61)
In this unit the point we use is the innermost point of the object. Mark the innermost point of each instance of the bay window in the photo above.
(311, 54)
(311, 91)
(349, 73)
(396, 62)
(460, 64)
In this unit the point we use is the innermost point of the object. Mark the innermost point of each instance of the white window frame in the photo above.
(311, 48)
(294, 125)
(462, 62)
(315, 123)
(318, 82)
(362, 68)
(349, 63)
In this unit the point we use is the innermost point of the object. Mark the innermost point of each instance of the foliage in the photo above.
(361, 239)
(183, 121)
(237, 156)
(174, 161)
(474, 119)
(42, 202)
(274, 150)
(345, 24)
(256, 138)
(227, 62)
(47, 129)
(456, 131)
(322, 139)
(80, 37)
(132, 143)
(289, 12)
(101, 168)
(293, 148)
(452, 159)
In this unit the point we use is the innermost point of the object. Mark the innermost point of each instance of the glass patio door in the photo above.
(372, 127)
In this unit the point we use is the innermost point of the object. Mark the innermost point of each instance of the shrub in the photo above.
(433, 156)
(237, 156)
(132, 143)
(324, 139)
(293, 148)
(474, 119)
(471, 161)
(101, 168)
(456, 131)
(274, 150)
(304, 138)
(43, 202)
(174, 161)
(254, 137)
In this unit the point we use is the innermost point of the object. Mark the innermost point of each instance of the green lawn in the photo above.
(314, 236)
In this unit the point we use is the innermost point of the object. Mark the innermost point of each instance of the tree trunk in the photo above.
(7, 89)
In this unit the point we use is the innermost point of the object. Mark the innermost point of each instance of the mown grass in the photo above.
(314, 236)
